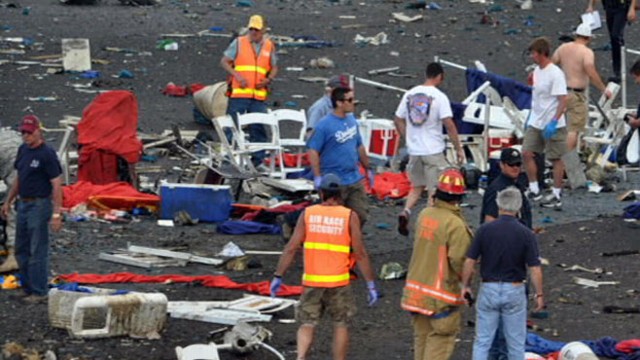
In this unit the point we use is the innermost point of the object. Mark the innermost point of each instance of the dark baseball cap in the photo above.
(30, 123)
(338, 81)
(330, 182)
(511, 156)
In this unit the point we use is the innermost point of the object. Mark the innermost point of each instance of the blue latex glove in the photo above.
(373, 296)
(316, 182)
(551, 129)
(371, 177)
(275, 286)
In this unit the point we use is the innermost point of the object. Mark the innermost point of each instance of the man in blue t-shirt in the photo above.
(336, 147)
(38, 191)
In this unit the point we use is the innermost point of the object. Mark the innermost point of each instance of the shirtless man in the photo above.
(577, 61)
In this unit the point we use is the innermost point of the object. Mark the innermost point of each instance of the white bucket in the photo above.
(212, 100)
(576, 351)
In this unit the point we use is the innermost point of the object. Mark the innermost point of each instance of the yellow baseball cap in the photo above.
(256, 22)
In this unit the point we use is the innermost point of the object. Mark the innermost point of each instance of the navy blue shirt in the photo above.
(36, 168)
(505, 248)
(490, 206)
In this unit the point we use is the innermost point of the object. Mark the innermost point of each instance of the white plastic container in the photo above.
(102, 314)
(135, 314)
(576, 351)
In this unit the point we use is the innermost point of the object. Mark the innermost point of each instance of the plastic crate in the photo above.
(207, 203)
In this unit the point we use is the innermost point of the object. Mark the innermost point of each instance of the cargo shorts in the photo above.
(553, 148)
(354, 197)
(339, 302)
(577, 111)
(424, 170)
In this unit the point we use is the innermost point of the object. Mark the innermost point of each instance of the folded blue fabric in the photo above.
(234, 227)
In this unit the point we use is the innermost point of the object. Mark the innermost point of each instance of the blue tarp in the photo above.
(234, 227)
(518, 92)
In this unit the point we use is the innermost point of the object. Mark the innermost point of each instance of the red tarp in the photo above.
(120, 196)
(388, 185)
(109, 125)
(217, 281)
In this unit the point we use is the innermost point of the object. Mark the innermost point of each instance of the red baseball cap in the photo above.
(30, 123)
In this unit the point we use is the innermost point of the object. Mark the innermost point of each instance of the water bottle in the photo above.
(483, 183)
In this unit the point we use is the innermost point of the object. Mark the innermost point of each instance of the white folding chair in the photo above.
(298, 119)
(271, 145)
(232, 150)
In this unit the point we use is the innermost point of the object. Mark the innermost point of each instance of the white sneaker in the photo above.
(552, 202)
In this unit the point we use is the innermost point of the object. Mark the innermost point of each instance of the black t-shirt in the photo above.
(490, 207)
(36, 168)
(505, 248)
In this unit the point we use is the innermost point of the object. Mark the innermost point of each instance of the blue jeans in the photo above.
(257, 133)
(32, 244)
(501, 304)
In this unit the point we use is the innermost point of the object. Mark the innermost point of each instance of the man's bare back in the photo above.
(574, 58)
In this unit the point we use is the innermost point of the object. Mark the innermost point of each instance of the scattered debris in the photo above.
(76, 55)
(621, 253)
(383, 70)
(405, 18)
(593, 283)
(581, 268)
(322, 63)
(376, 40)
(392, 271)
(610, 309)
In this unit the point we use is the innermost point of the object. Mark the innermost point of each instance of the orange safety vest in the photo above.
(254, 68)
(327, 246)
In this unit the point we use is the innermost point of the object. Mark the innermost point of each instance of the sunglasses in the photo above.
(23, 132)
(349, 100)
(253, 29)
(518, 164)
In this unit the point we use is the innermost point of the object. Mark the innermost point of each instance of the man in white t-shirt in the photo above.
(546, 127)
(419, 118)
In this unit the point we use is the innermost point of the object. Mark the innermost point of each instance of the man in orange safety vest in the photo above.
(251, 63)
(332, 241)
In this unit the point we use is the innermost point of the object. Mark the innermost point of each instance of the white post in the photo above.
(623, 75)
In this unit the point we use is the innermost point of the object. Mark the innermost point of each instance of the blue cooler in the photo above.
(207, 203)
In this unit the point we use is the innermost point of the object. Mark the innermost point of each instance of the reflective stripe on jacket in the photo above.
(254, 68)
(327, 246)
(442, 239)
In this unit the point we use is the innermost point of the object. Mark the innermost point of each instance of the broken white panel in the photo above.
(139, 260)
(76, 54)
(174, 255)
(220, 316)
(250, 303)
(291, 185)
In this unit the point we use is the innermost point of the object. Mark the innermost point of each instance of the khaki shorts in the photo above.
(553, 148)
(339, 302)
(355, 198)
(425, 170)
(577, 111)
